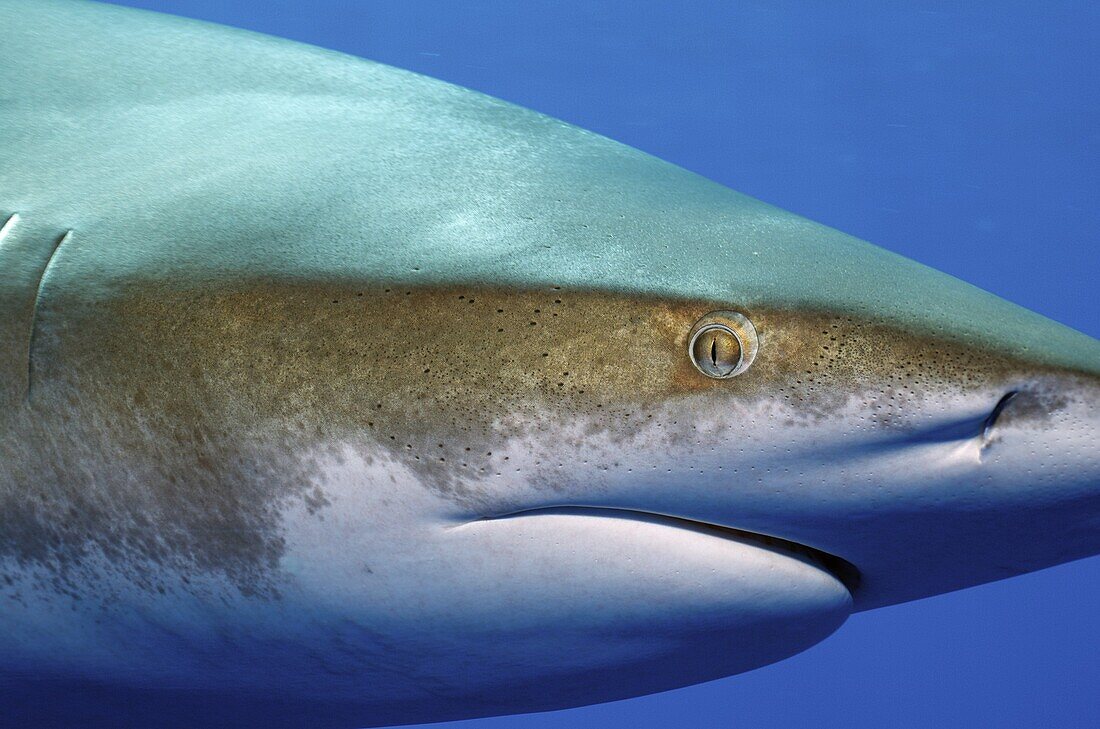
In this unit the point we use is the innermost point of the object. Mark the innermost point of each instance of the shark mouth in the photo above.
(838, 567)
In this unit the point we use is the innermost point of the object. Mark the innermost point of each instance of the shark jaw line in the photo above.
(844, 571)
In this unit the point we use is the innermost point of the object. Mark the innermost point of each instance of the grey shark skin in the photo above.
(338, 396)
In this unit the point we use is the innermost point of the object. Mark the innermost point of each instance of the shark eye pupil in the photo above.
(723, 344)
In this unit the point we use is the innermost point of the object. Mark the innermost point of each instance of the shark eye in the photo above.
(716, 351)
(723, 344)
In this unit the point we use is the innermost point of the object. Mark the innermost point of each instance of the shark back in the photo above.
(143, 148)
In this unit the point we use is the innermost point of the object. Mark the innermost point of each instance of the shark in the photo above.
(333, 395)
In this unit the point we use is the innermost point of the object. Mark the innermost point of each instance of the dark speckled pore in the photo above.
(168, 427)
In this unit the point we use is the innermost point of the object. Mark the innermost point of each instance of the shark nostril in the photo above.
(991, 420)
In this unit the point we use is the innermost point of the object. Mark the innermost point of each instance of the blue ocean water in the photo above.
(963, 135)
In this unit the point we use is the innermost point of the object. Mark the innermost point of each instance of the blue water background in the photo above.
(963, 135)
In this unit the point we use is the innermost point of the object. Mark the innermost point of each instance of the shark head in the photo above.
(601, 493)
(393, 402)
(660, 489)
(565, 492)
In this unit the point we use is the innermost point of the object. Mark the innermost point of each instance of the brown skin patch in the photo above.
(166, 426)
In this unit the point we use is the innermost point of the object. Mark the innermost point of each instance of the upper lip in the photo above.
(840, 568)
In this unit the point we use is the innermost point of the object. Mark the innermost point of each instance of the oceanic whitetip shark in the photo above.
(338, 396)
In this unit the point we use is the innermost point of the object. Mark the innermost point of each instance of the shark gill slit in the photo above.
(62, 240)
(8, 225)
